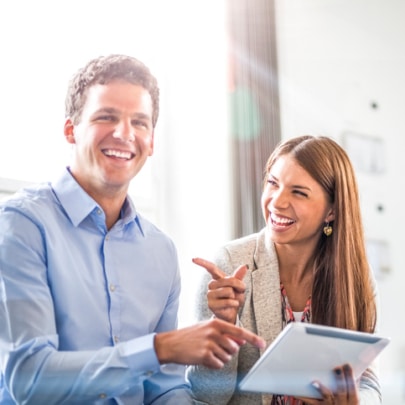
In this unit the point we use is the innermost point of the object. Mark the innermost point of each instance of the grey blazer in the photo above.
(261, 314)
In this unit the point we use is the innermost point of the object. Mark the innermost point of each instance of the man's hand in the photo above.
(211, 343)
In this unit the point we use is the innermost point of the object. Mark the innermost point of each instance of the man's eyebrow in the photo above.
(142, 116)
(112, 110)
(106, 110)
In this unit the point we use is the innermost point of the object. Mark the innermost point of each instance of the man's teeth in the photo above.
(281, 221)
(118, 154)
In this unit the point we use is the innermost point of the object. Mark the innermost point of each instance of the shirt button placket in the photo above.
(112, 289)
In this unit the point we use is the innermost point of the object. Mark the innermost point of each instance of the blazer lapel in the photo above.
(266, 299)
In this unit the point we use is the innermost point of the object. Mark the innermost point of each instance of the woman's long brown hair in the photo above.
(343, 289)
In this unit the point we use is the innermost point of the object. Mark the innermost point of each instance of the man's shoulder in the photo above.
(151, 229)
(35, 204)
(29, 198)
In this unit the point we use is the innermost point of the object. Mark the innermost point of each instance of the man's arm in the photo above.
(33, 366)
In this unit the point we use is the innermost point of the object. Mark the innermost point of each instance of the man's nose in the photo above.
(124, 131)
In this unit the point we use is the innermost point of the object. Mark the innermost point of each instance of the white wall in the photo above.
(336, 58)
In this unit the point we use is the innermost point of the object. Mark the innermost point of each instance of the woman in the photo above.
(308, 264)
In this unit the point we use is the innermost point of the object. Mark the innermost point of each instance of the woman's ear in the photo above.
(331, 216)
(68, 131)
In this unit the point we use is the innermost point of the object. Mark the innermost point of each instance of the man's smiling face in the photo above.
(113, 138)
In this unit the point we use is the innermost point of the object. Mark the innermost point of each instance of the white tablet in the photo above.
(304, 352)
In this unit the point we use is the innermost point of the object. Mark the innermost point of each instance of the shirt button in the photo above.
(112, 287)
(98, 212)
(102, 396)
(116, 339)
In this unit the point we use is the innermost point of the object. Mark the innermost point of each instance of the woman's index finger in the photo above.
(215, 272)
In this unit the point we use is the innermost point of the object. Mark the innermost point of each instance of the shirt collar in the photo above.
(78, 204)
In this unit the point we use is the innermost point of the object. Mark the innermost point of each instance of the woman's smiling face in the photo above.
(294, 205)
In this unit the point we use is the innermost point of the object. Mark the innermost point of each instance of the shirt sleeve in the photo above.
(33, 368)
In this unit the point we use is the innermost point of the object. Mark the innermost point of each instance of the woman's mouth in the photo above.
(280, 221)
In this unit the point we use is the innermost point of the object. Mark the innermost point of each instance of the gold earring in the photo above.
(327, 230)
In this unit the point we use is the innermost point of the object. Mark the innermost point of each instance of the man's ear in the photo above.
(68, 131)
(152, 144)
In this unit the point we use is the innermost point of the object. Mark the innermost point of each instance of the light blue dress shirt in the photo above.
(80, 304)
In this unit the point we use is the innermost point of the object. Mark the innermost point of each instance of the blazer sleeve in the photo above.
(214, 387)
(370, 388)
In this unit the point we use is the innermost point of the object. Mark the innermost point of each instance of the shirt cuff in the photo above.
(140, 355)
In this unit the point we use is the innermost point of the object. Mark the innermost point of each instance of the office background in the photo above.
(331, 67)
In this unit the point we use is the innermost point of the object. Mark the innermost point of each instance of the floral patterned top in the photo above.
(287, 317)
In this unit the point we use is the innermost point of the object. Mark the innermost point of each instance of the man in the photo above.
(89, 288)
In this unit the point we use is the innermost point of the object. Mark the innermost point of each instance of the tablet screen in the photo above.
(303, 353)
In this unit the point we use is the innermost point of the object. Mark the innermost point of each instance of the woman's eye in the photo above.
(299, 192)
(271, 182)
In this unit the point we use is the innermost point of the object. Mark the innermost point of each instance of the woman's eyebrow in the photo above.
(299, 186)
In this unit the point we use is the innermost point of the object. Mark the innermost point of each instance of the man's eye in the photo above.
(106, 118)
(140, 124)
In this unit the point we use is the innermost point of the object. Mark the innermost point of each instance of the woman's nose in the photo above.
(279, 198)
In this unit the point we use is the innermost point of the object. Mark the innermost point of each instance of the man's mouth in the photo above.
(118, 154)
